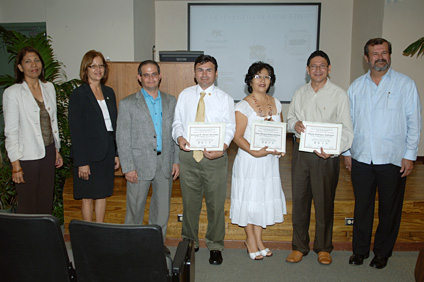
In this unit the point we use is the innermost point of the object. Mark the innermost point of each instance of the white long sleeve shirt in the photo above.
(219, 107)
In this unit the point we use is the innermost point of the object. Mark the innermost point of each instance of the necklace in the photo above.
(259, 107)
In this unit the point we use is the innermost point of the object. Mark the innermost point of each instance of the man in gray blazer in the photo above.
(146, 149)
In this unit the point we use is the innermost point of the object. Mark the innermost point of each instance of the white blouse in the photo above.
(106, 116)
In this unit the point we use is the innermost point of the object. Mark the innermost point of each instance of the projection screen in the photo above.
(281, 34)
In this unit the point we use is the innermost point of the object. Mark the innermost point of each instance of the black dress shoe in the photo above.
(357, 259)
(196, 249)
(215, 258)
(379, 262)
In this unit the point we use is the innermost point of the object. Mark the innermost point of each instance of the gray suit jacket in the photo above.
(136, 136)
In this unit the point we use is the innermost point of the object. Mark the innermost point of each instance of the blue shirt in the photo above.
(155, 108)
(386, 119)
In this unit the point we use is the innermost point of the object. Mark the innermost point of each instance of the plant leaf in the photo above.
(415, 48)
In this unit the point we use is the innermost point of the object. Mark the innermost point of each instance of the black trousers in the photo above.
(391, 189)
(35, 196)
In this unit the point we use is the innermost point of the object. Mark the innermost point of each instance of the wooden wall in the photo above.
(175, 77)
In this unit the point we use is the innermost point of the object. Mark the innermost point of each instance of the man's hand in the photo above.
(407, 167)
(175, 171)
(348, 162)
(299, 127)
(131, 176)
(211, 155)
(322, 154)
(183, 143)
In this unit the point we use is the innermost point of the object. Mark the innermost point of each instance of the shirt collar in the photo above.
(209, 90)
(148, 96)
(326, 85)
(388, 74)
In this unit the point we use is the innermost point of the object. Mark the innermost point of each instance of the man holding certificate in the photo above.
(204, 122)
(315, 173)
(386, 112)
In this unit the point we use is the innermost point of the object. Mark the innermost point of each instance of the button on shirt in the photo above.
(386, 119)
(155, 108)
(219, 107)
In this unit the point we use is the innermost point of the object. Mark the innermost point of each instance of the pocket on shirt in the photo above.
(393, 102)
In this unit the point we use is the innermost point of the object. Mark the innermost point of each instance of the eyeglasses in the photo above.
(259, 77)
(315, 67)
(96, 67)
(152, 75)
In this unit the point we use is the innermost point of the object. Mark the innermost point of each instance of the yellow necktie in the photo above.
(200, 117)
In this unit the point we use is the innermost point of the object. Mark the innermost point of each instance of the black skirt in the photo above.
(100, 182)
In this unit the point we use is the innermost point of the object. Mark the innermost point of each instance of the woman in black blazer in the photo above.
(92, 122)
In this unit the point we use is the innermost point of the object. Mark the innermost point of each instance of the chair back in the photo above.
(32, 248)
(118, 252)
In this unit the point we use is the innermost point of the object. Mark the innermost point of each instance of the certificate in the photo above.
(209, 136)
(321, 135)
(268, 133)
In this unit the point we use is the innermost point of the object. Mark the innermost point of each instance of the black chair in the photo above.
(117, 252)
(32, 249)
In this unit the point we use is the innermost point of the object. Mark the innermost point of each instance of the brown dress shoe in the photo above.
(324, 258)
(295, 256)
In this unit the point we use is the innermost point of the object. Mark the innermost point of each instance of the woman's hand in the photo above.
(263, 152)
(59, 160)
(117, 163)
(84, 172)
(17, 172)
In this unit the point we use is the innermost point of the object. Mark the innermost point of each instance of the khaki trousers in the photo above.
(208, 178)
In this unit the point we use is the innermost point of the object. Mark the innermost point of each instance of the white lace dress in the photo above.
(256, 193)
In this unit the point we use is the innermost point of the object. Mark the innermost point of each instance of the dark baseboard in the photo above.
(338, 246)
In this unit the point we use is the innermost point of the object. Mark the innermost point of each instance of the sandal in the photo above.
(266, 252)
(255, 255)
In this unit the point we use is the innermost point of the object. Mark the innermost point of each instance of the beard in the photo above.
(383, 68)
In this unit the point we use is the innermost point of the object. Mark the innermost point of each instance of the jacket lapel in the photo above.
(90, 96)
(144, 110)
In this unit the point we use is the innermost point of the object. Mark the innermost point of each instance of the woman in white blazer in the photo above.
(32, 134)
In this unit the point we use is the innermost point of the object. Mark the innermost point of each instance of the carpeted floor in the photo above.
(237, 266)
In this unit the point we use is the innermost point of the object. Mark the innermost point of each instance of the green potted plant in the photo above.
(413, 48)
(7, 189)
(14, 41)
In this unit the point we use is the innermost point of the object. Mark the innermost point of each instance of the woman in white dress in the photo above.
(257, 198)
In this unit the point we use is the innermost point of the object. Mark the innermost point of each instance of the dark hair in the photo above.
(148, 62)
(376, 41)
(204, 59)
(87, 60)
(19, 76)
(254, 69)
(318, 53)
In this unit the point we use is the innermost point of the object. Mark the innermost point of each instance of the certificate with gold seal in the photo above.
(321, 135)
(203, 135)
(269, 134)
